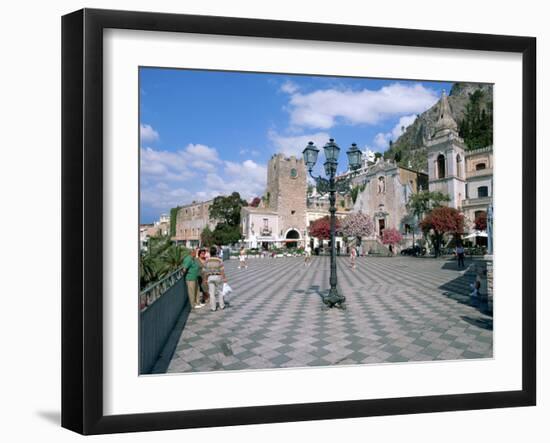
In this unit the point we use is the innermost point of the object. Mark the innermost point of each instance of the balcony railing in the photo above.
(479, 173)
(477, 201)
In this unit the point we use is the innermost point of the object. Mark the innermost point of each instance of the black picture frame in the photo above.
(82, 215)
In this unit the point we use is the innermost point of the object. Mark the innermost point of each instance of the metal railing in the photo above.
(150, 294)
(163, 306)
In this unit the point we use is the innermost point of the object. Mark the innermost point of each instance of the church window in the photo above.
(480, 166)
(293, 212)
(440, 166)
(458, 166)
(482, 191)
(293, 173)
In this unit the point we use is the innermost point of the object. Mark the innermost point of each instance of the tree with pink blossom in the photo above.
(357, 225)
(391, 236)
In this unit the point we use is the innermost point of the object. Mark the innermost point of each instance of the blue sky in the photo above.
(206, 133)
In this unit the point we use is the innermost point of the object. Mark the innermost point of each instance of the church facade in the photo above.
(387, 188)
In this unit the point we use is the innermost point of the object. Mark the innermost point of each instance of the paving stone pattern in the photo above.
(397, 310)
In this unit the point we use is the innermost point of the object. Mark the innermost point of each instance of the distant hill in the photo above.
(472, 108)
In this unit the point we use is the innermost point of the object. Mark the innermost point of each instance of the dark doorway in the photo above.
(292, 234)
(381, 225)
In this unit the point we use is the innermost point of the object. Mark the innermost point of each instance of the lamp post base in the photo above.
(333, 298)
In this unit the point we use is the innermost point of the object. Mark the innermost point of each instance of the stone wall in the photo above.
(490, 283)
(191, 220)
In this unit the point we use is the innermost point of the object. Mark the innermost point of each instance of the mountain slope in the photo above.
(408, 148)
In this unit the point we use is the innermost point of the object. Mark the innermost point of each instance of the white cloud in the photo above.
(165, 165)
(382, 140)
(202, 152)
(325, 108)
(253, 152)
(289, 87)
(247, 178)
(294, 145)
(147, 134)
(402, 125)
(169, 179)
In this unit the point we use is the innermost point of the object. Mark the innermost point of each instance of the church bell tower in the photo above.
(446, 166)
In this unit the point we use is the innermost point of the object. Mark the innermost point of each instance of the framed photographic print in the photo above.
(269, 221)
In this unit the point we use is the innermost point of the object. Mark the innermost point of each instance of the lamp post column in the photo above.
(331, 186)
(333, 278)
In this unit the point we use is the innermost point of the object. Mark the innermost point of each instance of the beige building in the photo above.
(479, 182)
(190, 221)
(260, 227)
(158, 228)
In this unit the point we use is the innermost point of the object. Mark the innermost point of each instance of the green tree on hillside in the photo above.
(476, 128)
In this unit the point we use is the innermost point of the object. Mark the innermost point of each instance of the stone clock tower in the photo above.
(286, 194)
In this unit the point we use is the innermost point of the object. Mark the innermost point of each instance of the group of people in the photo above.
(205, 277)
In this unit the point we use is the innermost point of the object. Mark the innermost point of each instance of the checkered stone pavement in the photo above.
(397, 309)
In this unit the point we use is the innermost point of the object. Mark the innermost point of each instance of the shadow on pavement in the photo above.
(459, 289)
(483, 323)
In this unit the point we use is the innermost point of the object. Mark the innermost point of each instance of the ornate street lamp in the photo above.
(332, 186)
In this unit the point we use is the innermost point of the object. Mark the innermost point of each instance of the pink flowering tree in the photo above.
(357, 225)
(391, 236)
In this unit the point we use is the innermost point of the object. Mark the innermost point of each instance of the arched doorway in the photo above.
(291, 235)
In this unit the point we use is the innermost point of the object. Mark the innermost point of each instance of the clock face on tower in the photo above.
(293, 173)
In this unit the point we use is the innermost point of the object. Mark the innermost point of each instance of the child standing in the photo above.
(242, 258)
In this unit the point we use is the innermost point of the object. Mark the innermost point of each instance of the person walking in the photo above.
(215, 276)
(460, 255)
(202, 280)
(242, 258)
(352, 256)
(476, 285)
(307, 255)
(191, 268)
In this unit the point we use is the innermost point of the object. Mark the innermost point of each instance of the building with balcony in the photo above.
(479, 182)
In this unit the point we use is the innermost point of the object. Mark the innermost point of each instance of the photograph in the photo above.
(296, 221)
